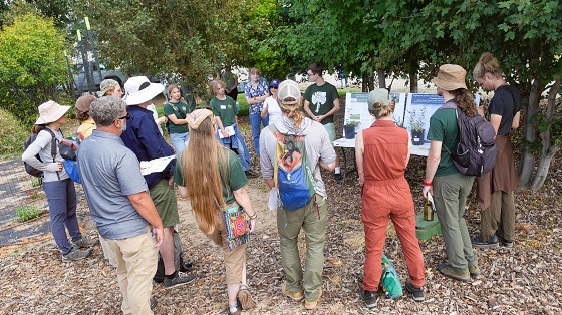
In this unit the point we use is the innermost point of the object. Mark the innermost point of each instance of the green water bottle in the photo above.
(428, 213)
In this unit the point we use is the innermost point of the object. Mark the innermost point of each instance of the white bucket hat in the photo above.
(139, 90)
(50, 111)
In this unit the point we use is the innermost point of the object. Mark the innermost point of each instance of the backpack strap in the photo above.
(451, 104)
(53, 146)
(176, 108)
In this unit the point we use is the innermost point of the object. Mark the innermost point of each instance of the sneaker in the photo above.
(76, 254)
(310, 305)
(338, 178)
(504, 243)
(297, 297)
(181, 278)
(186, 265)
(85, 242)
(245, 299)
(251, 174)
(491, 243)
(447, 271)
(417, 293)
(369, 297)
(475, 272)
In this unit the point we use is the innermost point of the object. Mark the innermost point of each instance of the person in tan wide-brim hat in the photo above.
(60, 191)
(450, 77)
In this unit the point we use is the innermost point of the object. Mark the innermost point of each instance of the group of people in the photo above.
(136, 215)
(382, 154)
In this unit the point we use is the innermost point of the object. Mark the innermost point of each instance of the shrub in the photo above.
(14, 134)
(26, 213)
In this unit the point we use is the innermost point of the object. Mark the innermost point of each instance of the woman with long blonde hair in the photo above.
(213, 179)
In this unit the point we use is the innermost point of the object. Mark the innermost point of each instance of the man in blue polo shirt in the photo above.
(119, 203)
(145, 140)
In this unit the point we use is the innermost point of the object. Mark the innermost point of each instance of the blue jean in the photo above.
(256, 121)
(61, 197)
(236, 143)
(178, 140)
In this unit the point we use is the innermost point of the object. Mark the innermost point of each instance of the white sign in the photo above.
(357, 109)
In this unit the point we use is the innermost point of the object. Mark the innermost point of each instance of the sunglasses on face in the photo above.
(125, 117)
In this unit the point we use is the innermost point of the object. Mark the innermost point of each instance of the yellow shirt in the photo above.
(86, 127)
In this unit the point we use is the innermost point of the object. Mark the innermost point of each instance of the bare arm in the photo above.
(221, 127)
(516, 120)
(176, 120)
(242, 198)
(183, 191)
(408, 155)
(145, 207)
(433, 159)
(270, 183)
(333, 110)
(496, 119)
(307, 109)
(257, 99)
(328, 167)
(359, 149)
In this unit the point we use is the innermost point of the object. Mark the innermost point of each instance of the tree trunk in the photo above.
(527, 158)
(413, 76)
(365, 82)
(382, 79)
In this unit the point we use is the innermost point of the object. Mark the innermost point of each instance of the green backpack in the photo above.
(390, 283)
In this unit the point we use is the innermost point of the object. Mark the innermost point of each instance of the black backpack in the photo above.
(475, 154)
(28, 168)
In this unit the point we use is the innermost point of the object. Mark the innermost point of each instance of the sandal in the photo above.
(245, 298)
(238, 309)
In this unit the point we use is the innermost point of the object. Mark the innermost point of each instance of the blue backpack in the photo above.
(292, 173)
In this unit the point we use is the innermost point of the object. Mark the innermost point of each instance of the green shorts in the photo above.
(331, 132)
(164, 197)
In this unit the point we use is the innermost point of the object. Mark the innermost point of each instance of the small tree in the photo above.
(31, 64)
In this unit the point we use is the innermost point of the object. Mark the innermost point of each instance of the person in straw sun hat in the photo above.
(312, 217)
(442, 179)
(60, 191)
(145, 140)
(382, 153)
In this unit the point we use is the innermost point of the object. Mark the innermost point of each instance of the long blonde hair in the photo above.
(200, 168)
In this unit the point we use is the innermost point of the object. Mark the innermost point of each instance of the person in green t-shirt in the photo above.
(176, 111)
(321, 101)
(450, 188)
(214, 181)
(224, 108)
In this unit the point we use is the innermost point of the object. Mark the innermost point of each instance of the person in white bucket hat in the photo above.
(145, 140)
(60, 191)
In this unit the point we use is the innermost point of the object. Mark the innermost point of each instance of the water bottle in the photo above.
(428, 213)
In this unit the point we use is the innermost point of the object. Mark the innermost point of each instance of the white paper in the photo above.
(155, 166)
(229, 129)
(430, 197)
(272, 203)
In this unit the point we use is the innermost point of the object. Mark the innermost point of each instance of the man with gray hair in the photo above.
(119, 202)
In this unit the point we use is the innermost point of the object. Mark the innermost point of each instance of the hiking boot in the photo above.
(369, 297)
(245, 299)
(85, 242)
(475, 272)
(417, 293)
(504, 243)
(491, 243)
(310, 305)
(251, 174)
(76, 254)
(297, 297)
(338, 178)
(181, 278)
(448, 271)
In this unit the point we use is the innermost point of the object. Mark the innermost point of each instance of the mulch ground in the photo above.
(523, 280)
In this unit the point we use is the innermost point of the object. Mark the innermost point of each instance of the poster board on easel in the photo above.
(426, 104)
(357, 109)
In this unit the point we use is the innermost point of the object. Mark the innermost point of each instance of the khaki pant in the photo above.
(312, 220)
(233, 261)
(499, 218)
(137, 261)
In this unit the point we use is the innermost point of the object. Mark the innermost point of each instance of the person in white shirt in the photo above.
(271, 105)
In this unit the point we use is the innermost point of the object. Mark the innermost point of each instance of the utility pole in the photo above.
(92, 46)
(85, 63)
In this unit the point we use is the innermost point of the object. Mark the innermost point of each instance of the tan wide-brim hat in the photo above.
(50, 111)
(139, 90)
(450, 77)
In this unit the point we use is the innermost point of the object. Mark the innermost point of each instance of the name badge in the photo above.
(223, 106)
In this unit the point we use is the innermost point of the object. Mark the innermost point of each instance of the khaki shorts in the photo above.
(331, 129)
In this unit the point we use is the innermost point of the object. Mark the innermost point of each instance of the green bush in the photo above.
(14, 134)
(26, 213)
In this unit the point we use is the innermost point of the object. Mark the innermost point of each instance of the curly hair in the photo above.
(487, 63)
(465, 101)
(215, 85)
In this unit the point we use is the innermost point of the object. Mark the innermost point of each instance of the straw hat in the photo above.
(450, 77)
(50, 111)
(139, 90)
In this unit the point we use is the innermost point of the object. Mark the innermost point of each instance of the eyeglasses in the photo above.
(125, 117)
(273, 87)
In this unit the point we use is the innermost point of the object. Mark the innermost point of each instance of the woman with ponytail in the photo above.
(312, 217)
(496, 188)
(213, 180)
